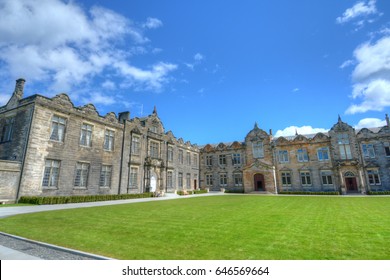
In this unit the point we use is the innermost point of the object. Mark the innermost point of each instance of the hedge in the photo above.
(234, 191)
(311, 193)
(39, 200)
(191, 192)
(378, 193)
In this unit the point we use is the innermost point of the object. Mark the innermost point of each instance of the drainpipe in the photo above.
(25, 153)
(122, 153)
(276, 188)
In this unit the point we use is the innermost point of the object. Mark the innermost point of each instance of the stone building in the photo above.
(49, 147)
(342, 160)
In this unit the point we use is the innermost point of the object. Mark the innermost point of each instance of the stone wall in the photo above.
(69, 151)
(9, 180)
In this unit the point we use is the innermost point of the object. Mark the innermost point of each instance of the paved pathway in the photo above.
(16, 248)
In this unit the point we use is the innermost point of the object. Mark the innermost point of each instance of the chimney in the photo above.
(270, 131)
(387, 120)
(19, 88)
(124, 116)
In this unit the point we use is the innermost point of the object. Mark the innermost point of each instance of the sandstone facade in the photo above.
(342, 160)
(61, 149)
(49, 147)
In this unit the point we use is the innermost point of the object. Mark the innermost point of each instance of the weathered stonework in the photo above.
(49, 147)
(332, 161)
(93, 153)
(9, 174)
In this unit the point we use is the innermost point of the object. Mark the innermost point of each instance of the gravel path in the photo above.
(43, 251)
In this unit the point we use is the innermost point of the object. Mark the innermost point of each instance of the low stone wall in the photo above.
(9, 180)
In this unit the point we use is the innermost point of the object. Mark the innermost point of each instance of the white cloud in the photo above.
(303, 130)
(198, 57)
(370, 122)
(152, 23)
(295, 90)
(347, 63)
(359, 9)
(110, 85)
(152, 79)
(99, 98)
(371, 77)
(65, 45)
(190, 65)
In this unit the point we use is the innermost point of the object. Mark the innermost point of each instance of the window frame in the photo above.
(223, 179)
(368, 150)
(222, 160)
(109, 140)
(373, 177)
(105, 176)
(302, 155)
(133, 177)
(7, 130)
(49, 177)
(86, 135)
(60, 123)
(283, 156)
(321, 152)
(326, 177)
(154, 149)
(305, 177)
(286, 178)
(83, 173)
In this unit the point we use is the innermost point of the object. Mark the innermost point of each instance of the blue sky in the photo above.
(212, 68)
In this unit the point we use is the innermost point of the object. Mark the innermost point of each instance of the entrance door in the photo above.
(259, 182)
(195, 184)
(351, 184)
(153, 184)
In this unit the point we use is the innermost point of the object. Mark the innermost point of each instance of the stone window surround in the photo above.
(133, 177)
(83, 172)
(106, 175)
(61, 122)
(49, 177)
(86, 134)
(109, 135)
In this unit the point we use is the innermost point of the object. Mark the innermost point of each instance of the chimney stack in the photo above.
(19, 88)
(387, 120)
(124, 116)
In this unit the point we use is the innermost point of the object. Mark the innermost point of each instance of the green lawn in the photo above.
(220, 227)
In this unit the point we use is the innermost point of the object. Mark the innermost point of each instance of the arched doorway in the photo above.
(259, 183)
(350, 181)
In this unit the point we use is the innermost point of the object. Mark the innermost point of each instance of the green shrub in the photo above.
(378, 193)
(200, 191)
(40, 200)
(184, 192)
(234, 191)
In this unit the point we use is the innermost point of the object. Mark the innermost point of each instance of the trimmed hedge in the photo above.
(234, 191)
(200, 191)
(191, 192)
(311, 193)
(184, 192)
(40, 200)
(378, 193)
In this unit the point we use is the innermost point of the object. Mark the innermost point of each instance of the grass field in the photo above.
(220, 227)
